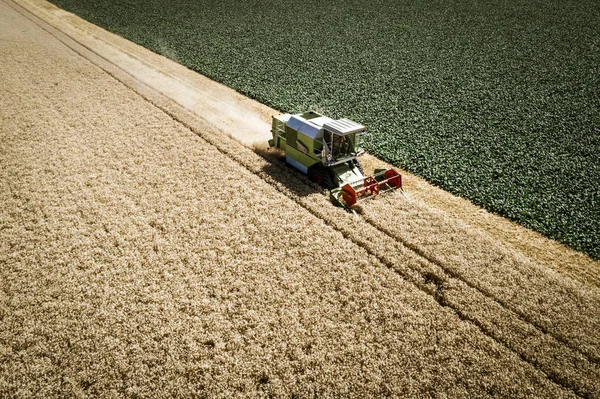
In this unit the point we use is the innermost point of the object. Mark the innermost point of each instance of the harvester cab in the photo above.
(327, 150)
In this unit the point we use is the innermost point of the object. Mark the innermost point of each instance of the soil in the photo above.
(143, 252)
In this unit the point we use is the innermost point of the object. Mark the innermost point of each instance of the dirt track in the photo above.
(143, 252)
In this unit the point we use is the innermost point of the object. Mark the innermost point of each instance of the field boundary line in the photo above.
(163, 104)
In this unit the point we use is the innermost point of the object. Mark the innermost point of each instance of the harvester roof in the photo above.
(313, 128)
(306, 127)
(344, 126)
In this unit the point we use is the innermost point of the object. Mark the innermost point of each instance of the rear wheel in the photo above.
(322, 176)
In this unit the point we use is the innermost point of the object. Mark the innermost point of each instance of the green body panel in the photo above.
(300, 157)
(346, 173)
(304, 145)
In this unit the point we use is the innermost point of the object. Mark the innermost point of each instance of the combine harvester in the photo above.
(327, 150)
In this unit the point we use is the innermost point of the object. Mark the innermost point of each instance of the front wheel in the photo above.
(322, 176)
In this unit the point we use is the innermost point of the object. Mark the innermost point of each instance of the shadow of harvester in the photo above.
(283, 173)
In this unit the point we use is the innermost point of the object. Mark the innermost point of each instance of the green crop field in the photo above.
(496, 101)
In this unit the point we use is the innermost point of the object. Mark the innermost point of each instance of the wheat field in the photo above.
(143, 254)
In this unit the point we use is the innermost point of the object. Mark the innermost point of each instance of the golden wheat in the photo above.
(138, 259)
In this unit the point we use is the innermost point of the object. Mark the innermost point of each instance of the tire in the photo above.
(322, 176)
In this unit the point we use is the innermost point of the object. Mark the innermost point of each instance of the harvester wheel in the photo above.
(322, 176)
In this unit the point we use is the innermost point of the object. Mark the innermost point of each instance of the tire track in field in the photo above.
(473, 285)
(570, 369)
